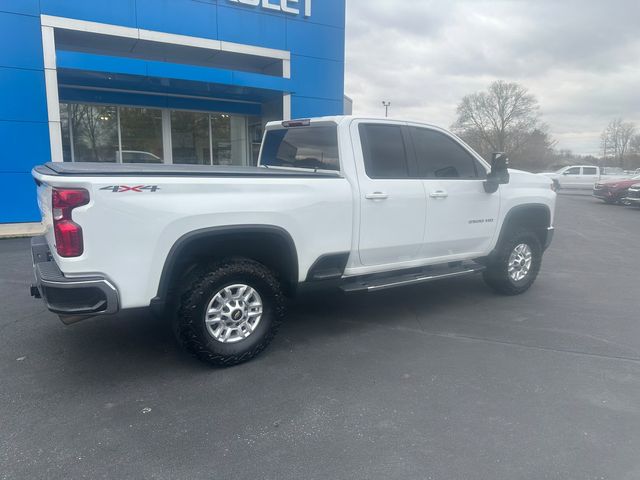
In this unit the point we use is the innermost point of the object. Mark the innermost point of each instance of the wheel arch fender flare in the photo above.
(535, 215)
(206, 239)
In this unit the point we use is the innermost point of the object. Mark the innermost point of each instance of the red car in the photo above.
(613, 191)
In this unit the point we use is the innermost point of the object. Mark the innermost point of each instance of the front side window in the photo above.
(573, 171)
(385, 155)
(304, 147)
(439, 156)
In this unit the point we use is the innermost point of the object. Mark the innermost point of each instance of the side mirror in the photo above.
(499, 174)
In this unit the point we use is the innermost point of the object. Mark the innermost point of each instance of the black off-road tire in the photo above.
(497, 273)
(189, 322)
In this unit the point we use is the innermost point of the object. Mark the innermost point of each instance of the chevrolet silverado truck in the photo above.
(359, 204)
(583, 176)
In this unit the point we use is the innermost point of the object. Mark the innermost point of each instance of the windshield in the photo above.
(305, 147)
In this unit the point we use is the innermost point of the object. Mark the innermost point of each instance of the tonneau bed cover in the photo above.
(95, 169)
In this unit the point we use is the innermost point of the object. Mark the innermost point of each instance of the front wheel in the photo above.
(229, 312)
(516, 263)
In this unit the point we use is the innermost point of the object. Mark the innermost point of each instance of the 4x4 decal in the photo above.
(127, 188)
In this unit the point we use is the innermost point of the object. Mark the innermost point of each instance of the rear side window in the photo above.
(439, 156)
(385, 155)
(590, 170)
(314, 148)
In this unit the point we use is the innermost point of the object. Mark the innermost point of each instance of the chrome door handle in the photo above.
(439, 194)
(376, 196)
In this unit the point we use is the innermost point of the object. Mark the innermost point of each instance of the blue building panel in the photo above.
(19, 192)
(250, 27)
(20, 40)
(24, 144)
(117, 12)
(315, 77)
(22, 95)
(305, 107)
(193, 18)
(328, 42)
(23, 7)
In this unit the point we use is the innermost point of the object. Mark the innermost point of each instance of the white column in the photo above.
(51, 87)
(167, 149)
(286, 106)
(239, 140)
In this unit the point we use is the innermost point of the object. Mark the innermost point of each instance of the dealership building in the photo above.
(157, 81)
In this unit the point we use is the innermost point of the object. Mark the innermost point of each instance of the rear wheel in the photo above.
(229, 312)
(516, 264)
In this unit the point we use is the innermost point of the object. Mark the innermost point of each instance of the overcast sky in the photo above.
(580, 58)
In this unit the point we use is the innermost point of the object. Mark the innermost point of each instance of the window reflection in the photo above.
(141, 135)
(89, 133)
(190, 138)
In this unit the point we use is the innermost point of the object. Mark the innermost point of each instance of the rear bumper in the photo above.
(74, 299)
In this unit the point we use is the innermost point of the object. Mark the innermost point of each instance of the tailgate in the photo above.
(44, 203)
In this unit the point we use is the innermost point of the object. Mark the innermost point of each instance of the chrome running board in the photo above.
(370, 284)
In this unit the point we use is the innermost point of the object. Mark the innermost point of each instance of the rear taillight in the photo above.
(68, 233)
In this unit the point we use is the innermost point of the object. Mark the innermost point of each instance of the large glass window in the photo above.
(255, 139)
(141, 130)
(221, 133)
(95, 133)
(385, 155)
(89, 132)
(439, 156)
(306, 147)
(190, 138)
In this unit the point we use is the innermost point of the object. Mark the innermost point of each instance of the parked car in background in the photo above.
(614, 191)
(633, 195)
(582, 176)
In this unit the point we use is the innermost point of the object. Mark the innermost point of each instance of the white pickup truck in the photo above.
(583, 177)
(355, 203)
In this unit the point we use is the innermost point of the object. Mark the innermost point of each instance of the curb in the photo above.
(20, 230)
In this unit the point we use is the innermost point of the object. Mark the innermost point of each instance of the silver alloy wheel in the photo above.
(233, 313)
(520, 262)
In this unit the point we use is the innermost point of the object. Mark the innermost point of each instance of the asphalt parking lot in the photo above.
(441, 381)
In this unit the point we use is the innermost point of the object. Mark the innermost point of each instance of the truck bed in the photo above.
(89, 169)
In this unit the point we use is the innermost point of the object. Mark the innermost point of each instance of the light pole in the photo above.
(386, 106)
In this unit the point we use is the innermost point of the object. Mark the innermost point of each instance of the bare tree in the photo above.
(504, 118)
(616, 140)
(634, 145)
